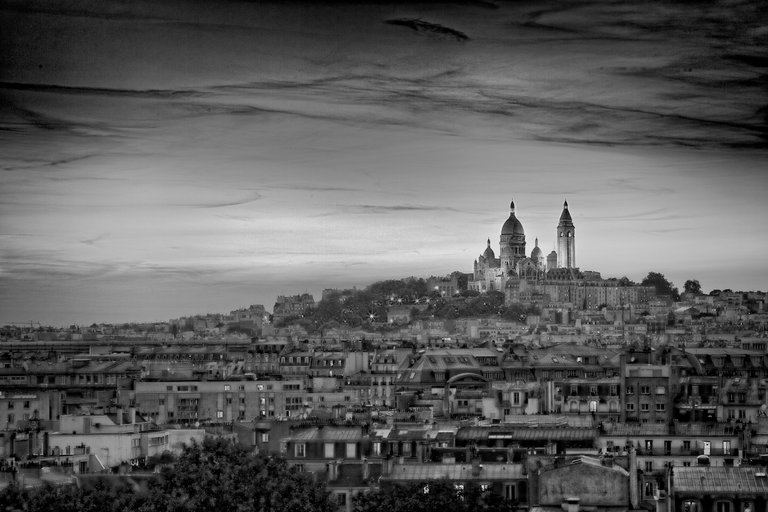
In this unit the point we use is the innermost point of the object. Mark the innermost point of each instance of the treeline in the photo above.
(368, 307)
(216, 475)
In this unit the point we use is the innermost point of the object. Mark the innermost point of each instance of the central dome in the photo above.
(512, 226)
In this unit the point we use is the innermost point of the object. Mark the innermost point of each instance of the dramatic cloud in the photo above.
(177, 157)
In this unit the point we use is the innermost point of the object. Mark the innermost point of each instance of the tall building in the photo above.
(566, 240)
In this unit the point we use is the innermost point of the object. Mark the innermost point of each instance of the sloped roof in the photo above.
(327, 434)
(721, 479)
(527, 433)
(457, 472)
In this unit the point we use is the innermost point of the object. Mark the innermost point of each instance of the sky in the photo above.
(162, 159)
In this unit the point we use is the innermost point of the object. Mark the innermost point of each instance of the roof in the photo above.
(458, 472)
(512, 226)
(527, 433)
(590, 461)
(328, 433)
(720, 479)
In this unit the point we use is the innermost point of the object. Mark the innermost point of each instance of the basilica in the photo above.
(492, 273)
(551, 281)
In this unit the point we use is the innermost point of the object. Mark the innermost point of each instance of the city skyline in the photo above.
(167, 160)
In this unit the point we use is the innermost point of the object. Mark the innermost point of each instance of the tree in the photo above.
(692, 286)
(662, 286)
(431, 496)
(219, 475)
(214, 475)
(625, 281)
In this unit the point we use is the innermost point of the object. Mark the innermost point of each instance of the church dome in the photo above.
(536, 252)
(489, 254)
(512, 226)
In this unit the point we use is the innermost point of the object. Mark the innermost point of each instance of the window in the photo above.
(26, 404)
(614, 390)
(723, 506)
(574, 390)
(649, 445)
(645, 390)
(648, 466)
(328, 450)
(644, 407)
(516, 397)
(341, 499)
(686, 445)
(227, 387)
(630, 390)
(219, 414)
(509, 491)
(726, 447)
(660, 407)
(593, 390)
(300, 450)
(630, 407)
(11, 418)
(376, 448)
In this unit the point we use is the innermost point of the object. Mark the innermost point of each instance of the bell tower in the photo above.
(566, 240)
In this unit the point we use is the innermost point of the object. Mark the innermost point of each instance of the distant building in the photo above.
(294, 305)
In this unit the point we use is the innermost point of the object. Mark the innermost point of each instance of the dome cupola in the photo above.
(512, 226)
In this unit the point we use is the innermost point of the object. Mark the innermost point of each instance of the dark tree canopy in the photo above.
(218, 475)
(660, 283)
(692, 286)
(214, 475)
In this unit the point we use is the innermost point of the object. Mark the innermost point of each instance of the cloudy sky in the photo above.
(167, 158)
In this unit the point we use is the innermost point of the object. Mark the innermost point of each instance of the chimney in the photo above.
(366, 469)
(119, 414)
(132, 414)
(633, 489)
(571, 504)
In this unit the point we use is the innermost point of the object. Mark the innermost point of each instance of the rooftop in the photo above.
(710, 479)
